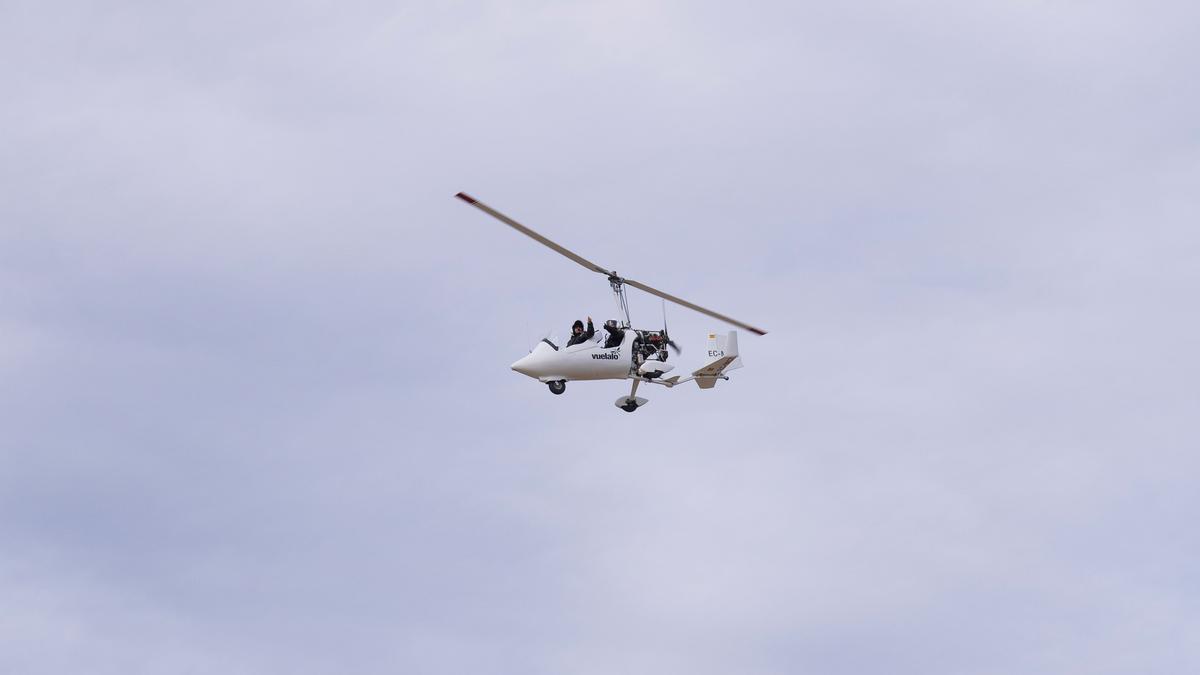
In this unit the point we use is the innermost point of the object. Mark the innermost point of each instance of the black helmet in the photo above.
(578, 324)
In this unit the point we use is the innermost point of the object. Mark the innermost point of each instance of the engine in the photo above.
(651, 345)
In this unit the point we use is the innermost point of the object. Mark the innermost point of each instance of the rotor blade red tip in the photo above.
(465, 197)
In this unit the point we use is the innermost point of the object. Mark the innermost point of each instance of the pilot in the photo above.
(578, 334)
(615, 334)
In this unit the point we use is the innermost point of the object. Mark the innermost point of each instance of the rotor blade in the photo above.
(531, 234)
(698, 308)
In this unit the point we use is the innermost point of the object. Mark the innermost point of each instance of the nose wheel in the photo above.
(557, 386)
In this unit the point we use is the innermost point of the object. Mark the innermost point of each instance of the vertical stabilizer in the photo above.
(723, 357)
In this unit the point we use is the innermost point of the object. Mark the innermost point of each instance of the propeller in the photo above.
(667, 336)
(598, 269)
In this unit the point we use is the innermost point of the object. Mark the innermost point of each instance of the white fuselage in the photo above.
(585, 361)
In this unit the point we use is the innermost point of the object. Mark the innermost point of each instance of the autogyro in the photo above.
(626, 352)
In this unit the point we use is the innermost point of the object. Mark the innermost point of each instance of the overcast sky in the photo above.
(256, 412)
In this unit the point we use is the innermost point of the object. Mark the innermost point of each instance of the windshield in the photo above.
(553, 339)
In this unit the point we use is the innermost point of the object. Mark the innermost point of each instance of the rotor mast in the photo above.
(618, 287)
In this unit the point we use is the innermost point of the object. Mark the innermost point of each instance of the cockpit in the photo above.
(556, 343)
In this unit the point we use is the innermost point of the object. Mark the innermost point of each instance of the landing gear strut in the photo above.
(557, 386)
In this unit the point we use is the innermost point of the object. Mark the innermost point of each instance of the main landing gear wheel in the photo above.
(557, 386)
(630, 403)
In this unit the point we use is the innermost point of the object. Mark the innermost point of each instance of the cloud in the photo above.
(258, 413)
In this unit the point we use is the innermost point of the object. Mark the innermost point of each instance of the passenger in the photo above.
(615, 334)
(578, 334)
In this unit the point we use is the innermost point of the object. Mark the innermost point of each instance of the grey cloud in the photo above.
(257, 413)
